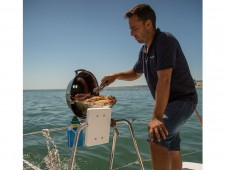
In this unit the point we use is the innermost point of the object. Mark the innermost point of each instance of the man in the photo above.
(168, 77)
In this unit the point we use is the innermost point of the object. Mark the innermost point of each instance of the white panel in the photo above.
(98, 129)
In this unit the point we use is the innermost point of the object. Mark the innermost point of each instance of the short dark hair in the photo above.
(143, 12)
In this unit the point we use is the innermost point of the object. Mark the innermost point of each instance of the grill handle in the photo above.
(76, 71)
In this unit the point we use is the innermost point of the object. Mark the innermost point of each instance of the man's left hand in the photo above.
(156, 126)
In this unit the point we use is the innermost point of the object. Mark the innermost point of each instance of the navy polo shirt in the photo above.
(164, 53)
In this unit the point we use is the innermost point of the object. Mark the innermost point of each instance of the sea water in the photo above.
(47, 109)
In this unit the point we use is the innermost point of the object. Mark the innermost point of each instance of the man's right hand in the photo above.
(108, 79)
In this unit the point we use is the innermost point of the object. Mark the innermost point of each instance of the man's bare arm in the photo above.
(128, 75)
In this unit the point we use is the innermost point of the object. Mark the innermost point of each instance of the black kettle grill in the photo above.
(83, 82)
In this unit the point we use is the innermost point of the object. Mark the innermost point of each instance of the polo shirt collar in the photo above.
(157, 32)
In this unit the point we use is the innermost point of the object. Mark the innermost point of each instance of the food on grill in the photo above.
(94, 100)
(81, 96)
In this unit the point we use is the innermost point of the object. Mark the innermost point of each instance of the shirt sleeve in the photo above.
(166, 52)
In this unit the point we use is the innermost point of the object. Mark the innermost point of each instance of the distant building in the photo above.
(198, 83)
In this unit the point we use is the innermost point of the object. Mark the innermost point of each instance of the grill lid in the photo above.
(83, 82)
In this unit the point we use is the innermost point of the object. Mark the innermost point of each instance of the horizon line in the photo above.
(105, 87)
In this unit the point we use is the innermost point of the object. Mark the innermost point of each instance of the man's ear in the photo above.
(149, 24)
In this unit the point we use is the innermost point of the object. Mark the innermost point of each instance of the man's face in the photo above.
(138, 29)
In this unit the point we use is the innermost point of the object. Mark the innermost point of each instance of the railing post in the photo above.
(115, 134)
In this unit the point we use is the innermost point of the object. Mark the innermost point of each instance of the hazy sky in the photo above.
(61, 36)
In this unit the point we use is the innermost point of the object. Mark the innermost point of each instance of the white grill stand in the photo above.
(102, 118)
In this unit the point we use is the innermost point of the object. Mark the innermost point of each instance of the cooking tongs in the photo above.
(98, 89)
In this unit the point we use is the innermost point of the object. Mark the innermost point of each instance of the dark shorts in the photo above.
(176, 114)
